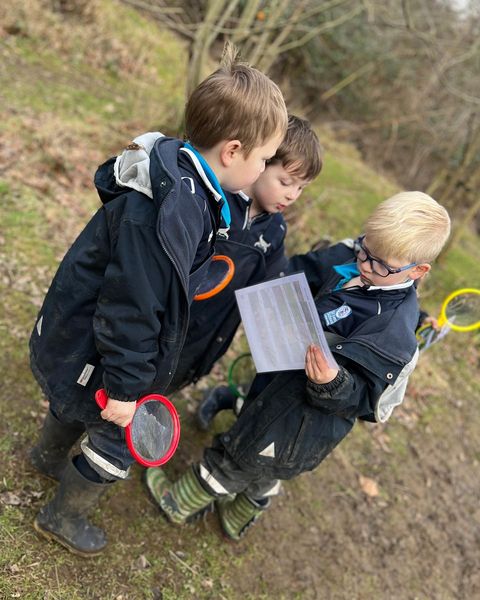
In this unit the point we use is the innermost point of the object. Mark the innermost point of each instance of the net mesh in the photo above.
(152, 430)
(217, 272)
(464, 310)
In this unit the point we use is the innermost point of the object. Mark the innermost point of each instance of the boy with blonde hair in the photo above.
(365, 296)
(117, 311)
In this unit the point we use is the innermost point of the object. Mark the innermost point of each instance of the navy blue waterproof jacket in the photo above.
(117, 311)
(292, 424)
(257, 249)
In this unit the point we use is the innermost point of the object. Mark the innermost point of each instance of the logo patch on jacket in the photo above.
(262, 244)
(332, 316)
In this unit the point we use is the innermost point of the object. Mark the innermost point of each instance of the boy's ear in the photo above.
(420, 271)
(229, 150)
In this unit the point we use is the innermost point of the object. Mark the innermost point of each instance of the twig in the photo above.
(182, 562)
(8, 533)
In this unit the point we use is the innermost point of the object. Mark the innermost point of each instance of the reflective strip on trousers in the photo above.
(210, 480)
(101, 462)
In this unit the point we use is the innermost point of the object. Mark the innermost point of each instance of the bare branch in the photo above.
(272, 51)
(406, 14)
(324, 27)
(164, 15)
(199, 48)
(347, 81)
(220, 23)
(246, 20)
(277, 9)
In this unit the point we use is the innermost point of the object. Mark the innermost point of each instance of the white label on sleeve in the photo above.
(39, 325)
(85, 375)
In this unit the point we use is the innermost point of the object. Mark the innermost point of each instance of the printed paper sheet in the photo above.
(281, 321)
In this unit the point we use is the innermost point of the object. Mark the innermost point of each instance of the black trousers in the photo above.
(221, 475)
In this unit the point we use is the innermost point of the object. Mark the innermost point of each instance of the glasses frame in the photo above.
(372, 259)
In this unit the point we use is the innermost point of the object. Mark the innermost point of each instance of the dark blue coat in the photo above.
(292, 424)
(257, 249)
(117, 311)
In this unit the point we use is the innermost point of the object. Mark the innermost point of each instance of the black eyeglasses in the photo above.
(377, 265)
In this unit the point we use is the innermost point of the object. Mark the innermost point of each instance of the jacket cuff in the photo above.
(331, 386)
(122, 397)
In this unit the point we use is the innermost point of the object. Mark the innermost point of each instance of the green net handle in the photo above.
(230, 378)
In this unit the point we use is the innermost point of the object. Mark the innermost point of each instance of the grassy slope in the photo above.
(72, 93)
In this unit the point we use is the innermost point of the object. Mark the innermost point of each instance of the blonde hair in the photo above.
(300, 151)
(410, 226)
(236, 102)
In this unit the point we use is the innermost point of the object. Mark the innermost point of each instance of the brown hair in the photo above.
(300, 152)
(236, 102)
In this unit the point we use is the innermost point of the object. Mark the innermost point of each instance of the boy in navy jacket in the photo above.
(117, 312)
(367, 305)
(255, 243)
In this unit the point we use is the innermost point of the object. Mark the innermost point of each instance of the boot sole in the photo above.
(50, 536)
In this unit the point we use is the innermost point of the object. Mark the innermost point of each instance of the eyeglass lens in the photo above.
(376, 266)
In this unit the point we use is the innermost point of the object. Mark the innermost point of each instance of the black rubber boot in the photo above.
(64, 519)
(50, 455)
(220, 398)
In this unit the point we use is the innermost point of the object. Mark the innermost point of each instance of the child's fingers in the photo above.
(120, 413)
(308, 364)
(313, 367)
(317, 367)
(432, 322)
(319, 358)
(119, 420)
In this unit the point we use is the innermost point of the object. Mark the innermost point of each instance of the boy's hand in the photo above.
(316, 366)
(118, 412)
(432, 321)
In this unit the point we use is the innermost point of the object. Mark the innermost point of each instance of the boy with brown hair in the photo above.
(366, 299)
(116, 313)
(255, 244)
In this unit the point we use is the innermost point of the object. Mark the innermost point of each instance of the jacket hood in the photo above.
(131, 169)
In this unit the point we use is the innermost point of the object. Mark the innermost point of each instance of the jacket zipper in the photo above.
(185, 326)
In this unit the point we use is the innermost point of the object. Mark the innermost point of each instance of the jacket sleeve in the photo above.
(351, 394)
(421, 318)
(317, 264)
(310, 264)
(130, 310)
(277, 262)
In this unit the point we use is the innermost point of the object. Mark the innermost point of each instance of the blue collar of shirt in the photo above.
(346, 272)
(225, 210)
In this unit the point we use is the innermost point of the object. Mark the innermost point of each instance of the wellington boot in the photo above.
(214, 400)
(64, 519)
(182, 501)
(50, 455)
(237, 515)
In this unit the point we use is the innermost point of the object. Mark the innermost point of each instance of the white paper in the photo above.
(281, 321)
